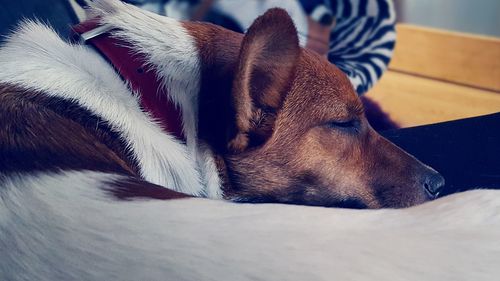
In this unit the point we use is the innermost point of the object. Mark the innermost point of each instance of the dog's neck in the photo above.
(218, 52)
(197, 64)
(133, 69)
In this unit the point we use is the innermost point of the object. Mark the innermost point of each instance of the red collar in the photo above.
(142, 79)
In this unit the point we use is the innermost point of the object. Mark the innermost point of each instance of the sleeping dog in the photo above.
(87, 160)
(261, 119)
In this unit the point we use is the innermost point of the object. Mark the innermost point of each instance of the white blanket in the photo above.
(61, 227)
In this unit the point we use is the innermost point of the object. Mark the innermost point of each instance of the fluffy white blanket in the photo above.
(49, 231)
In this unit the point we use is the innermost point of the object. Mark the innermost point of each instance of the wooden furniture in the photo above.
(439, 76)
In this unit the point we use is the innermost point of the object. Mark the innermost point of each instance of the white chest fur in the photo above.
(36, 58)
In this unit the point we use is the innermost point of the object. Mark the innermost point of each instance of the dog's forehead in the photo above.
(320, 90)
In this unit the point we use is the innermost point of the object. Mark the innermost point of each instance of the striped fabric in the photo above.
(361, 43)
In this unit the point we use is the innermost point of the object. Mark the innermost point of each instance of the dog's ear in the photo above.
(266, 65)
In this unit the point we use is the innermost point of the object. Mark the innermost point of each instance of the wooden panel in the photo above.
(455, 57)
(413, 100)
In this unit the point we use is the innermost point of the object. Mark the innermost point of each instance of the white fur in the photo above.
(172, 52)
(168, 48)
(36, 58)
(51, 232)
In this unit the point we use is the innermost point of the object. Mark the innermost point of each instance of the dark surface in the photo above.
(466, 152)
(56, 13)
(379, 120)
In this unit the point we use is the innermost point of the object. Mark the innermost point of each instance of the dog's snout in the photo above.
(433, 184)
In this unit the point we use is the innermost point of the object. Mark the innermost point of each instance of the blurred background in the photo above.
(444, 65)
(476, 17)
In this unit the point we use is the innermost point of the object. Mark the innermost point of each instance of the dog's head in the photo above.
(297, 131)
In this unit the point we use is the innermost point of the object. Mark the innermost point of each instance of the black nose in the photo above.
(433, 184)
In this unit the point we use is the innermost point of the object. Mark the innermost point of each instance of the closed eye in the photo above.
(348, 125)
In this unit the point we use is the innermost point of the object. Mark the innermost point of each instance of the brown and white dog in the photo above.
(264, 120)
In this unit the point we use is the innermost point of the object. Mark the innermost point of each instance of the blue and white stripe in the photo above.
(363, 40)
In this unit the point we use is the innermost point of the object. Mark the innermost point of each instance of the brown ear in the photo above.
(266, 64)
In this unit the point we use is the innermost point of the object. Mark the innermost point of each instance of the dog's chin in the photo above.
(319, 195)
(324, 201)
(388, 198)
(352, 203)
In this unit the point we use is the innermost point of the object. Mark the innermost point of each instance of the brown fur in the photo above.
(39, 133)
(276, 114)
(43, 134)
(132, 188)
